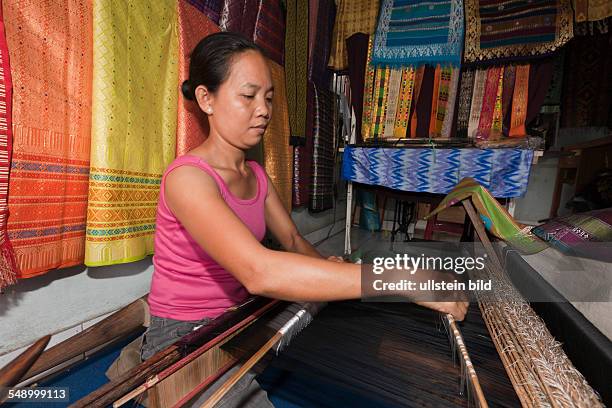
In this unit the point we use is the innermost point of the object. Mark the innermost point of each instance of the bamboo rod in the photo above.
(12, 373)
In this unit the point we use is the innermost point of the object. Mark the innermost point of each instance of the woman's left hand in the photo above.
(334, 258)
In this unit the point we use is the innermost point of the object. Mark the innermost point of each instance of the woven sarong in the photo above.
(465, 102)
(434, 102)
(381, 92)
(502, 29)
(591, 10)
(352, 16)
(507, 92)
(239, 16)
(50, 54)
(317, 64)
(322, 194)
(393, 93)
(278, 154)
(296, 67)
(418, 82)
(368, 95)
(480, 82)
(269, 32)
(418, 32)
(357, 50)
(133, 125)
(442, 97)
(505, 172)
(488, 103)
(495, 217)
(496, 125)
(8, 264)
(191, 125)
(520, 98)
(210, 8)
(447, 124)
(405, 100)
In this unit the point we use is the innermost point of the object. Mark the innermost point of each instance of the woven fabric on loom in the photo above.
(322, 194)
(352, 16)
(191, 125)
(296, 67)
(269, 32)
(278, 155)
(418, 32)
(8, 264)
(210, 8)
(133, 126)
(51, 71)
(504, 172)
(502, 29)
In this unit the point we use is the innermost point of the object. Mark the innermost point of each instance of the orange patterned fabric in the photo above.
(434, 102)
(192, 126)
(518, 115)
(50, 47)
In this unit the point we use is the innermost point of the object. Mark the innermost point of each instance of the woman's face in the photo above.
(240, 110)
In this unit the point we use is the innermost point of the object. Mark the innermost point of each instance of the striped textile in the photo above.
(465, 102)
(322, 194)
(502, 29)
(504, 172)
(51, 72)
(191, 125)
(210, 8)
(496, 125)
(442, 104)
(403, 110)
(8, 263)
(480, 81)
(239, 16)
(447, 124)
(381, 92)
(520, 98)
(278, 154)
(133, 126)
(415, 32)
(269, 31)
(352, 16)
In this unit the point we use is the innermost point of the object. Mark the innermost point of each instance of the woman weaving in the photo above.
(215, 206)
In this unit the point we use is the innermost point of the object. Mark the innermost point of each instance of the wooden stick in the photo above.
(13, 372)
(118, 325)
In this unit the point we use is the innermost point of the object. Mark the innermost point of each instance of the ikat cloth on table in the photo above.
(506, 29)
(278, 154)
(494, 216)
(352, 16)
(191, 126)
(133, 125)
(504, 172)
(50, 55)
(416, 32)
(210, 8)
(8, 264)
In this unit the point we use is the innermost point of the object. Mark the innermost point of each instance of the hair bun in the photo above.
(187, 90)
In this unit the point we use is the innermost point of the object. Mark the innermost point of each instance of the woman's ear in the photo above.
(204, 99)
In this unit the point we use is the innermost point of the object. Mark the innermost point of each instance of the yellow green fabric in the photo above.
(134, 111)
(496, 218)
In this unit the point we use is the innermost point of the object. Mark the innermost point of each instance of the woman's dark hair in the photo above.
(211, 61)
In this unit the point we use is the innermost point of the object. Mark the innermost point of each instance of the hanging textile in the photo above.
(540, 75)
(318, 71)
(395, 83)
(322, 194)
(368, 95)
(357, 51)
(591, 10)
(51, 72)
(504, 172)
(495, 217)
(278, 154)
(424, 103)
(405, 100)
(296, 68)
(496, 125)
(419, 32)
(133, 126)
(507, 92)
(485, 121)
(480, 81)
(210, 8)
(239, 16)
(434, 102)
(520, 97)
(352, 16)
(442, 97)
(587, 92)
(8, 263)
(553, 94)
(418, 82)
(269, 32)
(449, 116)
(465, 102)
(504, 29)
(192, 126)
(380, 101)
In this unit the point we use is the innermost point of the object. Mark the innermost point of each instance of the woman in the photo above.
(215, 206)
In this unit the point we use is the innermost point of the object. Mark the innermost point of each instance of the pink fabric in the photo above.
(187, 283)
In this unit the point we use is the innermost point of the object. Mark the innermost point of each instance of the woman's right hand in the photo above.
(457, 309)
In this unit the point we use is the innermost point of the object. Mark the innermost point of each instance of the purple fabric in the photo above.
(586, 234)
(212, 8)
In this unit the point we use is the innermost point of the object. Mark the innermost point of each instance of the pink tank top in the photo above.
(187, 283)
